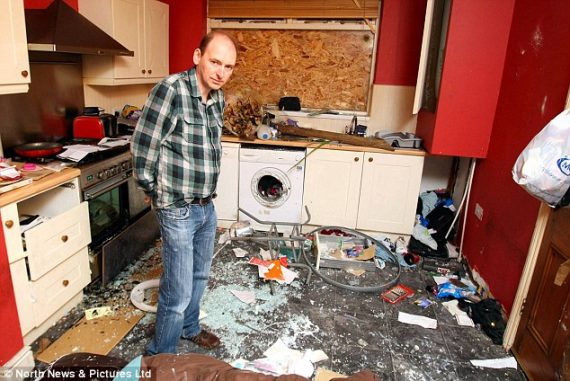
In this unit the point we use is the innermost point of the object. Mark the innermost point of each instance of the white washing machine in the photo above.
(271, 184)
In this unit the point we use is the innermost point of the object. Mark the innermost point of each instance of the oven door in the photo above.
(137, 206)
(108, 209)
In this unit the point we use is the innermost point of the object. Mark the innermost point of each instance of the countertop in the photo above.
(38, 186)
(292, 141)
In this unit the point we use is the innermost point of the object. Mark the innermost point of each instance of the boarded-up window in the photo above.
(324, 68)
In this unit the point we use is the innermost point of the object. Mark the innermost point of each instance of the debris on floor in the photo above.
(356, 330)
(99, 335)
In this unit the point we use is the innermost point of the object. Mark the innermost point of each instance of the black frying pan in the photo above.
(38, 149)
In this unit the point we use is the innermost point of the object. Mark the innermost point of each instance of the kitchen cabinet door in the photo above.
(332, 187)
(389, 192)
(141, 26)
(466, 81)
(131, 35)
(156, 38)
(14, 65)
(227, 190)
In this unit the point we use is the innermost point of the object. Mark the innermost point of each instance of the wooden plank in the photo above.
(334, 136)
(319, 9)
(97, 336)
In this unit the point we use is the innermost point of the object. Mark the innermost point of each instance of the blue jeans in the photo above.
(188, 235)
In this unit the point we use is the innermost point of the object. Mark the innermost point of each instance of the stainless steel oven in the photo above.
(115, 208)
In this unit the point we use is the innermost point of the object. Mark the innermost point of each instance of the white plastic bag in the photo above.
(543, 167)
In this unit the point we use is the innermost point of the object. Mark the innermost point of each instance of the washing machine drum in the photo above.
(271, 187)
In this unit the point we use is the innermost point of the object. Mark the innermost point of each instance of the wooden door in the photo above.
(545, 322)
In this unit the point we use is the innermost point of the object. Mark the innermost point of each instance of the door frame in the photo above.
(544, 213)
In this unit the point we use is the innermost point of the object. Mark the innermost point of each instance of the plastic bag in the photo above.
(543, 167)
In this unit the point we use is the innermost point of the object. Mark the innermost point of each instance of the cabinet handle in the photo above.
(370, 159)
(65, 283)
(64, 238)
(356, 158)
(9, 224)
(25, 73)
(143, 71)
(149, 71)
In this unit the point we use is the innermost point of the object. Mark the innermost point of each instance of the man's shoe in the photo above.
(205, 339)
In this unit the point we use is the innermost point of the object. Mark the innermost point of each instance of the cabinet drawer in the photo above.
(11, 227)
(59, 285)
(53, 241)
(23, 294)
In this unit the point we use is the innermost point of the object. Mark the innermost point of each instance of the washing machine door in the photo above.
(271, 187)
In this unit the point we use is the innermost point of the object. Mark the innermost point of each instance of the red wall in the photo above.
(40, 4)
(534, 88)
(11, 335)
(399, 42)
(187, 26)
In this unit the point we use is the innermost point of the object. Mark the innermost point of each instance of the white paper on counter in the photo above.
(76, 152)
(422, 321)
(506, 362)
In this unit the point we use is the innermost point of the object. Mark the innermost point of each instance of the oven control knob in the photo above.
(125, 165)
(107, 173)
(100, 175)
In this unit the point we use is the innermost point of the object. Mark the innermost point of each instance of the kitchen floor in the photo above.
(356, 330)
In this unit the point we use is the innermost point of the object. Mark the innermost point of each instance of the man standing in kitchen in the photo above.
(176, 151)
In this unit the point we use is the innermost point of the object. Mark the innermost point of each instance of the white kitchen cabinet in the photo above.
(141, 26)
(227, 190)
(332, 186)
(367, 191)
(14, 65)
(389, 192)
(49, 263)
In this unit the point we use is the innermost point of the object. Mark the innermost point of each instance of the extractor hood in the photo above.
(59, 28)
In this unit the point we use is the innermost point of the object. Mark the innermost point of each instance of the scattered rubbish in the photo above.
(488, 314)
(247, 297)
(224, 237)
(355, 272)
(94, 313)
(138, 295)
(265, 254)
(241, 229)
(323, 374)
(317, 355)
(97, 336)
(362, 343)
(449, 289)
(397, 293)
(239, 252)
(422, 321)
(288, 361)
(460, 315)
(280, 360)
(506, 362)
(388, 250)
(272, 270)
(423, 302)
(341, 252)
